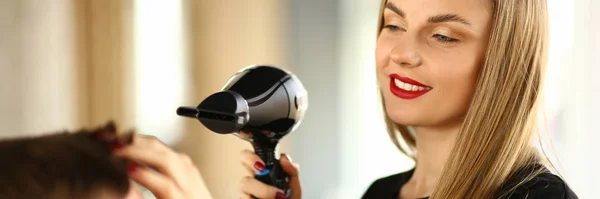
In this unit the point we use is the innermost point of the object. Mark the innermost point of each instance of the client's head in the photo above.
(67, 165)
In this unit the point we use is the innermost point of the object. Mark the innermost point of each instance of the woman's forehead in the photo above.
(425, 8)
(478, 13)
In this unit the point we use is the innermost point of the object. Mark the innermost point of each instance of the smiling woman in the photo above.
(471, 121)
(460, 84)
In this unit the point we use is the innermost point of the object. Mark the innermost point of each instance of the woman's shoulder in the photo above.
(545, 185)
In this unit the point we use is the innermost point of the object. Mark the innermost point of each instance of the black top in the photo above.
(543, 186)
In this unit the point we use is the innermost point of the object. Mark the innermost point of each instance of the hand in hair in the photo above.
(64, 165)
(174, 175)
(94, 164)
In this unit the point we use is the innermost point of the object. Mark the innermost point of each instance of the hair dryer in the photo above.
(260, 104)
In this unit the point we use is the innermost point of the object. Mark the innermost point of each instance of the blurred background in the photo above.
(67, 64)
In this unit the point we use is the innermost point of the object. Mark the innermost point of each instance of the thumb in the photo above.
(292, 169)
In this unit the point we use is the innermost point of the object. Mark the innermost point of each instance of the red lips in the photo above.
(412, 92)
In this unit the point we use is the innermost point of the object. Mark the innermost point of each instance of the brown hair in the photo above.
(62, 166)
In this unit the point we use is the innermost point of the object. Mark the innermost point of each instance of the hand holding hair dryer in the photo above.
(260, 104)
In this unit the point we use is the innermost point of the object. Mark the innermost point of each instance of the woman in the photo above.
(460, 82)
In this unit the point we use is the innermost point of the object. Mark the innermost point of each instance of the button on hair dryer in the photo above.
(260, 104)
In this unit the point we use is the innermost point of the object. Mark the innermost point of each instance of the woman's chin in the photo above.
(406, 120)
(411, 115)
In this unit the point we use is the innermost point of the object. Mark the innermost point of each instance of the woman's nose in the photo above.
(405, 54)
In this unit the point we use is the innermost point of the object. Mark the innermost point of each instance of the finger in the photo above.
(134, 192)
(288, 166)
(159, 185)
(253, 187)
(293, 171)
(245, 135)
(252, 162)
(245, 196)
(249, 171)
(152, 152)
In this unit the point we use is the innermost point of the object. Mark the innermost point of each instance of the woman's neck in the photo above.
(433, 149)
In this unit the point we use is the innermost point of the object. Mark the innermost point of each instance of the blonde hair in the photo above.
(495, 138)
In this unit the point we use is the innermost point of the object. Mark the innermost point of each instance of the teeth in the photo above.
(409, 87)
(399, 84)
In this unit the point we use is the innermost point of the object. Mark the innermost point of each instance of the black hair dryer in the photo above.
(260, 104)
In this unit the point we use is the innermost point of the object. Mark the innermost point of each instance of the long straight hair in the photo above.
(494, 141)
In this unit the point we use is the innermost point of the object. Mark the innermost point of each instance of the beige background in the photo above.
(68, 64)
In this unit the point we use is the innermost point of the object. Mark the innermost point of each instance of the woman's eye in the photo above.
(392, 28)
(444, 38)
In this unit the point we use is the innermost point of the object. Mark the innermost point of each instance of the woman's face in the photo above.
(428, 56)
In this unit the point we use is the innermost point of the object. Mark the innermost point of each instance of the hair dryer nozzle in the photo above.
(187, 112)
(224, 112)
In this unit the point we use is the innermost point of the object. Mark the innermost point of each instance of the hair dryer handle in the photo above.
(273, 173)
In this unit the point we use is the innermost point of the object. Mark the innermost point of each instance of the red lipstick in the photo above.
(410, 89)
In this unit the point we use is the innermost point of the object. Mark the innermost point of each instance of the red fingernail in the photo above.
(280, 196)
(131, 168)
(259, 166)
(117, 146)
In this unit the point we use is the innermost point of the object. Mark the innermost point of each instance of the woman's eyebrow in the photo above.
(395, 9)
(434, 19)
(448, 18)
